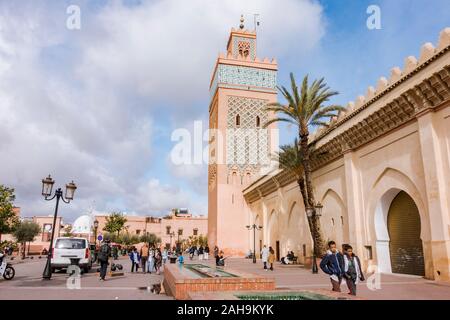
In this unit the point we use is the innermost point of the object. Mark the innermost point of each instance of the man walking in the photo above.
(333, 265)
(103, 256)
(144, 256)
(134, 257)
(352, 269)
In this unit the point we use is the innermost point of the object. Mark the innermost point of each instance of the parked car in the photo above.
(66, 249)
(93, 249)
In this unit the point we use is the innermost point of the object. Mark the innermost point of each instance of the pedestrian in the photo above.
(216, 251)
(206, 252)
(200, 253)
(158, 261)
(144, 256)
(180, 258)
(220, 260)
(265, 256)
(165, 254)
(151, 261)
(333, 265)
(191, 252)
(103, 256)
(271, 258)
(135, 258)
(352, 269)
(115, 252)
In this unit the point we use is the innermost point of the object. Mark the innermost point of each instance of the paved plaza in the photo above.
(28, 283)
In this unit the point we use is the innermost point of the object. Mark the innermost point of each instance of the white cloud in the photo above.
(82, 104)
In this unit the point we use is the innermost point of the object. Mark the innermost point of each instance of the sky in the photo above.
(98, 104)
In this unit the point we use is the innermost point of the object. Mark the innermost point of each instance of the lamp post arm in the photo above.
(64, 200)
(50, 199)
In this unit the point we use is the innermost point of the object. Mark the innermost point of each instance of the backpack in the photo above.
(104, 253)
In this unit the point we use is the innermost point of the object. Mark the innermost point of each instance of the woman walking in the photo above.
(165, 254)
(271, 259)
(265, 256)
(151, 261)
(158, 261)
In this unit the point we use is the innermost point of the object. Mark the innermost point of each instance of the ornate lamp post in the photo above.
(47, 186)
(95, 230)
(313, 214)
(254, 227)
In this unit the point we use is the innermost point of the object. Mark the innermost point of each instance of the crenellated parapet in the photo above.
(397, 77)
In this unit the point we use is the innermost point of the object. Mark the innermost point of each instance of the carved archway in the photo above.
(334, 220)
(389, 184)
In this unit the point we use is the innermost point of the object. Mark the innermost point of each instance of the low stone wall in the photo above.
(179, 285)
(234, 295)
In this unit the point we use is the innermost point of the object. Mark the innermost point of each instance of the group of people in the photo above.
(268, 257)
(150, 259)
(289, 259)
(201, 252)
(8, 251)
(342, 266)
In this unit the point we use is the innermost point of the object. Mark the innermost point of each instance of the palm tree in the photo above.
(306, 109)
(289, 159)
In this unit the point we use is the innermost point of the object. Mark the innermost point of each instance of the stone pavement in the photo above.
(28, 283)
(392, 287)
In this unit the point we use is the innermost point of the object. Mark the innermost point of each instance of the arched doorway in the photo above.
(405, 245)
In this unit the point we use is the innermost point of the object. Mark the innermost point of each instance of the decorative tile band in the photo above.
(236, 76)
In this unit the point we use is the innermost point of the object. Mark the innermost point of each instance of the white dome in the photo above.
(83, 225)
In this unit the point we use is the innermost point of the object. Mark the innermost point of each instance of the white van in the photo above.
(66, 248)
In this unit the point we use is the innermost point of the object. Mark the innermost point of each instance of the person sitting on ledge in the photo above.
(220, 261)
(288, 259)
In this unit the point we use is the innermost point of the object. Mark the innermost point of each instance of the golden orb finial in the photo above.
(242, 22)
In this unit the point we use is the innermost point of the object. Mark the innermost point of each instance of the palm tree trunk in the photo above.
(314, 220)
(301, 184)
(24, 247)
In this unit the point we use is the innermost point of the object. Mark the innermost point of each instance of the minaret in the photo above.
(240, 145)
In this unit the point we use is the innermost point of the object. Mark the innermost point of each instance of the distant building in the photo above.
(178, 225)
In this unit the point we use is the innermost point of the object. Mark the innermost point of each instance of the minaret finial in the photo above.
(242, 22)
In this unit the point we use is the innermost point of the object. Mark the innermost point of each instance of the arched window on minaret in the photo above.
(234, 178)
(258, 121)
(238, 120)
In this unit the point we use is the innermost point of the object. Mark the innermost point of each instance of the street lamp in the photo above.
(254, 227)
(312, 214)
(95, 231)
(47, 186)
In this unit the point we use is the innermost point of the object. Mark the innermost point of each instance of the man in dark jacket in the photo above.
(103, 256)
(333, 265)
(352, 269)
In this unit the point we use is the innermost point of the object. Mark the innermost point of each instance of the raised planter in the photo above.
(179, 281)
